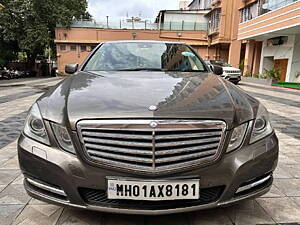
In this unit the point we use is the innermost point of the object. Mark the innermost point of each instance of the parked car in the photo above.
(229, 72)
(14, 74)
(4, 73)
(145, 128)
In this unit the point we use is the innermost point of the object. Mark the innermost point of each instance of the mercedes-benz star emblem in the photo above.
(153, 124)
(152, 108)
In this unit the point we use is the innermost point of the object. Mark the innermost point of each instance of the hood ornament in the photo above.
(152, 108)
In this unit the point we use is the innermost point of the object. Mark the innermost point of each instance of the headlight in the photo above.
(34, 126)
(63, 137)
(237, 137)
(262, 126)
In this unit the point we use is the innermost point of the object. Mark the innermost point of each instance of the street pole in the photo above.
(107, 22)
(132, 20)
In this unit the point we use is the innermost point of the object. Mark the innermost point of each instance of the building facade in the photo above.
(189, 26)
(271, 31)
(254, 35)
(223, 19)
(74, 44)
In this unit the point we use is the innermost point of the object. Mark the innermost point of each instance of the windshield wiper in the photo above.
(141, 69)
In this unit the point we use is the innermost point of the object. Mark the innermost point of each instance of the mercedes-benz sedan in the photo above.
(145, 128)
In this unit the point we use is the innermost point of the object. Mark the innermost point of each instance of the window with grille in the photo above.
(250, 11)
(214, 21)
(73, 47)
(83, 48)
(63, 47)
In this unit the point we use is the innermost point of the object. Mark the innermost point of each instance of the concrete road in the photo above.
(280, 206)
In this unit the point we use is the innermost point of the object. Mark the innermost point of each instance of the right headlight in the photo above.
(62, 135)
(262, 126)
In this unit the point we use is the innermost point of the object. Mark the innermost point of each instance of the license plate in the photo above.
(152, 190)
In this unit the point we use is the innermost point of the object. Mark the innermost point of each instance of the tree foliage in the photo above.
(30, 24)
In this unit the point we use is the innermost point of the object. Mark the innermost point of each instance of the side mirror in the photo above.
(218, 70)
(71, 68)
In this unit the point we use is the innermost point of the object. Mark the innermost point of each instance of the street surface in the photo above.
(280, 206)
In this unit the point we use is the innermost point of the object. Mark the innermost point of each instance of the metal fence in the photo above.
(183, 26)
(140, 25)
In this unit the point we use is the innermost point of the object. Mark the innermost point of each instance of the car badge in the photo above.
(152, 108)
(153, 124)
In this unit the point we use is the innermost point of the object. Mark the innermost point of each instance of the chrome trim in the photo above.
(146, 145)
(46, 187)
(135, 123)
(254, 184)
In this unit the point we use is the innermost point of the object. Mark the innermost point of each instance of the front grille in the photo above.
(99, 198)
(167, 145)
(232, 71)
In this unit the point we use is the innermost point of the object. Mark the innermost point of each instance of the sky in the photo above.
(116, 9)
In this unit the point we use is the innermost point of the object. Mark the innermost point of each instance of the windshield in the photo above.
(134, 56)
(220, 63)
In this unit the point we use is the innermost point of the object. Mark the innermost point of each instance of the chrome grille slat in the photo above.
(120, 143)
(116, 135)
(185, 157)
(118, 149)
(115, 163)
(120, 157)
(135, 145)
(165, 167)
(187, 142)
(186, 150)
(199, 134)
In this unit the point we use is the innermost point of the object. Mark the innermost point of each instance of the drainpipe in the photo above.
(159, 24)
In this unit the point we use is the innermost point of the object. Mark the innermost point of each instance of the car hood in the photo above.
(176, 95)
(230, 68)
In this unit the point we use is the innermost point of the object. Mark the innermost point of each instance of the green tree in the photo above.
(31, 23)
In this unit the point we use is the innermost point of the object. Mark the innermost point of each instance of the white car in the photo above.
(229, 72)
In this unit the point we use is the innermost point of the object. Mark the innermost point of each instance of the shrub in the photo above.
(256, 75)
(273, 74)
(247, 74)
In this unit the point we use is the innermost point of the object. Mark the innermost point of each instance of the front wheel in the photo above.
(235, 82)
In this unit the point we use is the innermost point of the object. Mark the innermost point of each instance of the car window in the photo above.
(144, 56)
(220, 63)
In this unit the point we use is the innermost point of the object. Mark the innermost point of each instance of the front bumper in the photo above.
(232, 77)
(60, 170)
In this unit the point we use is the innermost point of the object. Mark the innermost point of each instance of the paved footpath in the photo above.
(280, 206)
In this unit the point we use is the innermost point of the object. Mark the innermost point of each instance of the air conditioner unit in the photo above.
(277, 40)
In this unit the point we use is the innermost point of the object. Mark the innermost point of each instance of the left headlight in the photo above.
(262, 126)
(62, 135)
(35, 127)
(237, 137)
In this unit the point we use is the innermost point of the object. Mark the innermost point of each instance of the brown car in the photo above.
(145, 128)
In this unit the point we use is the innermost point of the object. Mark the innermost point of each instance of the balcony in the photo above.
(276, 18)
(270, 5)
